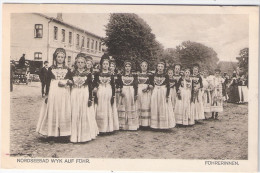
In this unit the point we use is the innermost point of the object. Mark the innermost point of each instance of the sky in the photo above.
(227, 34)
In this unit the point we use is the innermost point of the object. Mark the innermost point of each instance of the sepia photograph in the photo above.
(131, 84)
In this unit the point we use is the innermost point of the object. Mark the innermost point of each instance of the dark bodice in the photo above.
(104, 79)
(128, 80)
(172, 82)
(197, 81)
(144, 78)
(242, 82)
(81, 78)
(59, 73)
(161, 80)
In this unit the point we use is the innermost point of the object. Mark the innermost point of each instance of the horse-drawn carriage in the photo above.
(21, 74)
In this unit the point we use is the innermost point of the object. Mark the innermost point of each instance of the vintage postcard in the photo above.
(130, 87)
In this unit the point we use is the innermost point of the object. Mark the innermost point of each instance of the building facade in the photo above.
(37, 36)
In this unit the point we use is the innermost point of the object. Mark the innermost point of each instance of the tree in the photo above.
(171, 56)
(192, 52)
(128, 37)
(227, 66)
(243, 60)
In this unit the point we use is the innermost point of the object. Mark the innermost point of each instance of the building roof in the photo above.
(67, 24)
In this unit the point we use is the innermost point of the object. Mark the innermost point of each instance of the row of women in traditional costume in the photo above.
(194, 96)
(69, 109)
(81, 104)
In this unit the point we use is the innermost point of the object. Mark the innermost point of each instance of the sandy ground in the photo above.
(226, 138)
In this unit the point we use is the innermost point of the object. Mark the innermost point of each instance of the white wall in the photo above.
(22, 36)
(23, 41)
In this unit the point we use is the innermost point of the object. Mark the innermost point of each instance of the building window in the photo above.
(88, 42)
(38, 30)
(63, 35)
(55, 33)
(37, 56)
(96, 45)
(70, 37)
(83, 41)
(99, 48)
(92, 44)
(77, 39)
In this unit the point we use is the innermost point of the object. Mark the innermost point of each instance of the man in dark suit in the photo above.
(44, 78)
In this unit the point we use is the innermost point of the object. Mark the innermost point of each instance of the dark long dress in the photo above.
(233, 91)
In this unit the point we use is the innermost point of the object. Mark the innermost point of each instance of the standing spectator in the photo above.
(44, 78)
(242, 89)
(233, 89)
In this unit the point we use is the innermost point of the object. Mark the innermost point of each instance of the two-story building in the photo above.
(37, 36)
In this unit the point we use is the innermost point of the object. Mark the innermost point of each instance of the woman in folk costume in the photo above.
(83, 126)
(114, 73)
(55, 115)
(104, 87)
(243, 90)
(127, 106)
(233, 89)
(162, 115)
(144, 95)
(197, 108)
(184, 88)
(178, 74)
(206, 95)
(176, 77)
(173, 83)
(217, 97)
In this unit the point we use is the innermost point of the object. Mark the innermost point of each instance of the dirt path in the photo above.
(211, 139)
